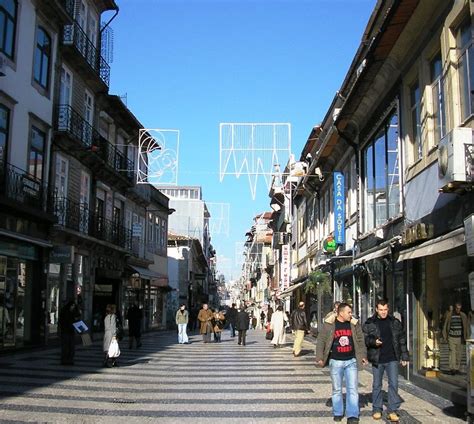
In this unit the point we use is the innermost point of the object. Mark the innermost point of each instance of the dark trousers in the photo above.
(232, 329)
(68, 348)
(242, 336)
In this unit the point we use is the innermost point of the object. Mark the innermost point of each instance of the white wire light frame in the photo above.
(242, 152)
(156, 158)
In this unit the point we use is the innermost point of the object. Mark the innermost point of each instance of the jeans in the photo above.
(394, 400)
(182, 336)
(232, 330)
(348, 371)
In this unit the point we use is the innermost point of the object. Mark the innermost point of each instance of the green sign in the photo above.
(330, 245)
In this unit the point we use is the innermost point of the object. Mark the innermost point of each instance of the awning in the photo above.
(372, 255)
(291, 289)
(29, 239)
(148, 274)
(432, 247)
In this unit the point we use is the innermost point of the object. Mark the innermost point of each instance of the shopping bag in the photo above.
(114, 350)
(86, 339)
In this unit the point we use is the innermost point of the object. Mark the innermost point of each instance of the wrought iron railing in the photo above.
(73, 35)
(18, 185)
(68, 6)
(78, 217)
(72, 123)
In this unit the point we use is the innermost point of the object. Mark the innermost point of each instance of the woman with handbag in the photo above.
(219, 322)
(110, 345)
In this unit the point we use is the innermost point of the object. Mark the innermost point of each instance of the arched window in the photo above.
(8, 10)
(42, 57)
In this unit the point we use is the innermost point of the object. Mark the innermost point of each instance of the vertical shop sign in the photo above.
(339, 208)
(285, 266)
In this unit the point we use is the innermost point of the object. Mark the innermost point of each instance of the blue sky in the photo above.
(193, 64)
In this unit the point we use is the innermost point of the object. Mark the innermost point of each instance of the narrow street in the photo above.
(168, 383)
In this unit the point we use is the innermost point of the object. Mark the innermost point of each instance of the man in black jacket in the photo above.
(386, 344)
(231, 318)
(242, 324)
(300, 326)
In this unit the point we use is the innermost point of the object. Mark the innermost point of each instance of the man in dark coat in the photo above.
(386, 344)
(134, 316)
(68, 315)
(231, 318)
(242, 325)
(299, 325)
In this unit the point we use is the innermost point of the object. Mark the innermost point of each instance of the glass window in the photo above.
(4, 126)
(466, 68)
(382, 175)
(8, 10)
(437, 94)
(415, 113)
(36, 157)
(42, 57)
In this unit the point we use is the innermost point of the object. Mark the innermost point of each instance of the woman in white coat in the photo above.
(110, 330)
(277, 324)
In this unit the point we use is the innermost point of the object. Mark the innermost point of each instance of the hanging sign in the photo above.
(339, 209)
(329, 245)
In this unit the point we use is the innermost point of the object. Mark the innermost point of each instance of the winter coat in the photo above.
(326, 338)
(298, 320)
(110, 329)
(68, 315)
(134, 316)
(277, 324)
(447, 324)
(219, 321)
(182, 317)
(205, 317)
(243, 321)
(399, 339)
(231, 316)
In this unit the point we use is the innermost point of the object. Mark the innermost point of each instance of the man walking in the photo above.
(205, 318)
(134, 316)
(341, 340)
(299, 325)
(455, 331)
(386, 344)
(231, 317)
(242, 324)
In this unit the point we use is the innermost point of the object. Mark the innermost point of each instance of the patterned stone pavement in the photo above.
(196, 383)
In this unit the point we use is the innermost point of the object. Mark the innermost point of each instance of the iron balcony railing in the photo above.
(68, 6)
(19, 186)
(469, 155)
(78, 217)
(71, 122)
(73, 35)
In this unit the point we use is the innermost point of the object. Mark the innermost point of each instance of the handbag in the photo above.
(269, 335)
(86, 339)
(114, 350)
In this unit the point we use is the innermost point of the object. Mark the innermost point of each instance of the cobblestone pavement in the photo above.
(195, 383)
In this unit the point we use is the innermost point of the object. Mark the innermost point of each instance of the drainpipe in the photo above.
(110, 20)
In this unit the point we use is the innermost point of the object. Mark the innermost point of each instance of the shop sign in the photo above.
(339, 208)
(136, 229)
(61, 255)
(285, 266)
(329, 244)
(469, 234)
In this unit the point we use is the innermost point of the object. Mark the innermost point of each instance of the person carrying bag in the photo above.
(110, 346)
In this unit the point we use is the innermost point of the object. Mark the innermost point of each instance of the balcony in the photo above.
(23, 191)
(78, 138)
(76, 45)
(58, 10)
(78, 217)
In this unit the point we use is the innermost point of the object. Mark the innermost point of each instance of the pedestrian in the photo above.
(219, 322)
(231, 318)
(455, 332)
(205, 318)
(333, 312)
(110, 333)
(277, 325)
(68, 315)
(262, 319)
(386, 343)
(182, 320)
(242, 325)
(299, 325)
(254, 322)
(269, 313)
(341, 342)
(134, 317)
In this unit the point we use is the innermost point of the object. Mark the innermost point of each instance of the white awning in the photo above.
(432, 247)
(372, 255)
(291, 289)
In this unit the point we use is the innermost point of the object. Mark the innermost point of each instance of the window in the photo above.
(466, 70)
(42, 58)
(382, 175)
(8, 10)
(437, 95)
(4, 128)
(415, 113)
(37, 153)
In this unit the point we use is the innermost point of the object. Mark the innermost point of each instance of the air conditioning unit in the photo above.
(455, 159)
